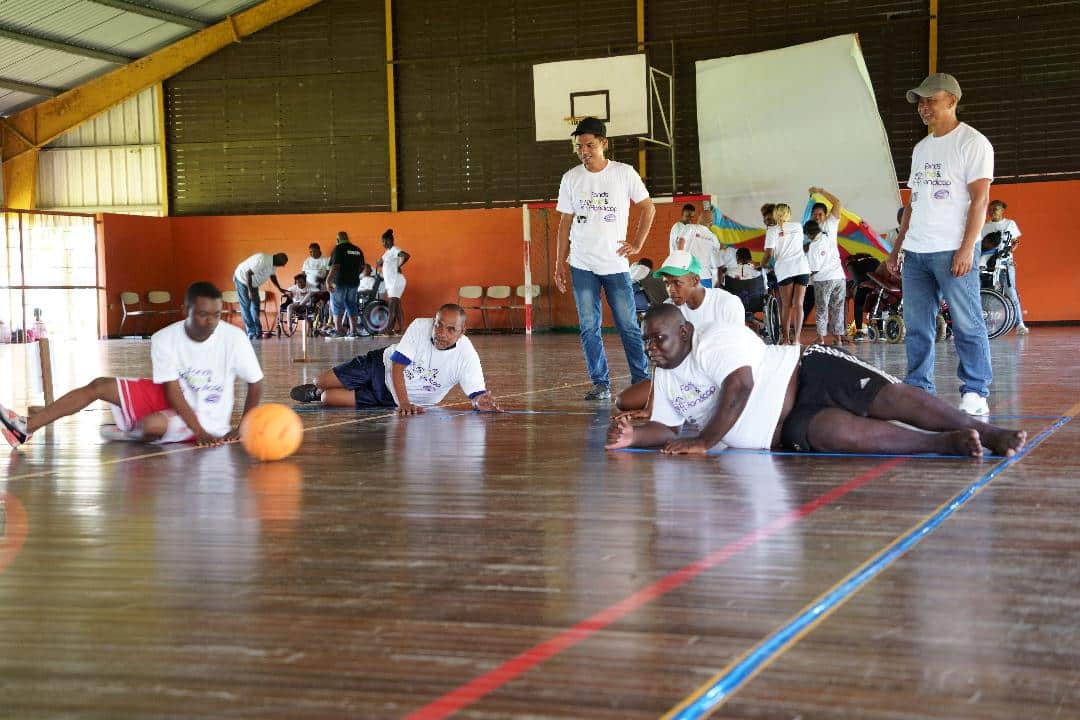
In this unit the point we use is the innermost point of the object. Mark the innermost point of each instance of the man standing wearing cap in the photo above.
(594, 206)
(951, 172)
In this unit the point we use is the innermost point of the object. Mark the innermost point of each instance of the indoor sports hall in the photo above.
(454, 563)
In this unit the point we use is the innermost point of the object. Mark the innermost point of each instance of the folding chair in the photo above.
(497, 297)
(470, 297)
(130, 306)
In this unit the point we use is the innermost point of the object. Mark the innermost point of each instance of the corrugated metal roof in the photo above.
(90, 25)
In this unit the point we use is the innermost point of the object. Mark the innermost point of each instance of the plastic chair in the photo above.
(230, 305)
(470, 298)
(497, 297)
(161, 303)
(130, 306)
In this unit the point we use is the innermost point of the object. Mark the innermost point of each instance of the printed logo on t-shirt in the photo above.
(690, 396)
(595, 201)
(932, 175)
(610, 217)
(200, 383)
(428, 378)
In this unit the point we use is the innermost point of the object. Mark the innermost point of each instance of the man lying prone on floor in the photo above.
(432, 357)
(739, 392)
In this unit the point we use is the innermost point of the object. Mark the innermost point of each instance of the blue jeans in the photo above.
(928, 278)
(344, 300)
(1010, 292)
(249, 309)
(620, 298)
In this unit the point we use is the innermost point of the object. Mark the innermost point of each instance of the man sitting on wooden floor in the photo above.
(744, 394)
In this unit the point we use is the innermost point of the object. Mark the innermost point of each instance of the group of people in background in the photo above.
(341, 279)
(716, 378)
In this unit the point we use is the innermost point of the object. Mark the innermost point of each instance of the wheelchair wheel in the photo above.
(288, 322)
(873, 332)
(772, 320)
(942, 328)
(375, 316)
(998, 311)
(895, 329)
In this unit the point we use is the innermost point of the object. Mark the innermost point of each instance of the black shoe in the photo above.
(306, 393)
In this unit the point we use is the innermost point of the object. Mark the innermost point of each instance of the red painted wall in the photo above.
(451, 248)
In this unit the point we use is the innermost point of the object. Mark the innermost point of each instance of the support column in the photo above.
(641, 48)
(391, 121)
(933, 36)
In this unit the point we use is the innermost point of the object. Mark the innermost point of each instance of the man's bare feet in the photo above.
(962, 442)
(1002, 441)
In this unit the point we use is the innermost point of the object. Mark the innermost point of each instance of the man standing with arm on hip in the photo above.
(594, 206)
(951, 172)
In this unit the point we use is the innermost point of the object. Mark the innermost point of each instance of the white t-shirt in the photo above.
(786, 243)
(724, 257)
(691, 391)
(718, 308)
(260, 264)
(824, 253)
(744, 272)
(1002, 226)
(941, 169)
(367, 282)
(600, 203)
(206, 370)
(700, 242)
(432, 372)
(673, 236)
(316, 270)
(299, 294)
(391, 261)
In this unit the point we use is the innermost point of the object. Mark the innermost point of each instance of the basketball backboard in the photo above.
(613, 89)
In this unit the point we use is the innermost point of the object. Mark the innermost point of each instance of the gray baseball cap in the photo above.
(932, 84)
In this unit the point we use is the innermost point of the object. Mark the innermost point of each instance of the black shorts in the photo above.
(830, 378)
(365, 375)
(795, 280)
(803, 280)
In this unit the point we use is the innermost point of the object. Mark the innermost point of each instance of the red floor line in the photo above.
(490, 681)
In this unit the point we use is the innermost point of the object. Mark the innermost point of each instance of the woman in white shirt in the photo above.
(784, 242)
(392, 261)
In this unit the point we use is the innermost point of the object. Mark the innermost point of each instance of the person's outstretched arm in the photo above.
(624, 434)
(833, 200)
(734, 394)
(179, 403)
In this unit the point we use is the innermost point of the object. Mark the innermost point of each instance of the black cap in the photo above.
(591, 126)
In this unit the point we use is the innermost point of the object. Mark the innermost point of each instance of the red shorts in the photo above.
(140, 397)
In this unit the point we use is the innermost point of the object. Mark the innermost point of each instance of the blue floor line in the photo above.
(775, 643)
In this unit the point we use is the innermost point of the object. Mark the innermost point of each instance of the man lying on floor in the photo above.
(740, 393)
(432, 357)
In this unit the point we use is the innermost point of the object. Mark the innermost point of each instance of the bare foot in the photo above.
(962, 442)
(1002, 441)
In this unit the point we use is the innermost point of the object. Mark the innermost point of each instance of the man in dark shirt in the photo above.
(345, 264)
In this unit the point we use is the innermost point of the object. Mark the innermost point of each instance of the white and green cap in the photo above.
(679, 263)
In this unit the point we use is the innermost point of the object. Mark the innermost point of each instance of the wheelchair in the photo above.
(994, 278)
(884, 306)
(759, 296)
(317, 314)
(374, 310)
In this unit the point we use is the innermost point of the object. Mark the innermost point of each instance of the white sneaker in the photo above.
(974, 404)
(1022, 330)
(13, 427)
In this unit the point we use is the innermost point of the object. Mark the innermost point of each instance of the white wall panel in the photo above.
(111, 163)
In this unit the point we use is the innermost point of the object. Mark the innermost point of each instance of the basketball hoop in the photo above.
(572, 122)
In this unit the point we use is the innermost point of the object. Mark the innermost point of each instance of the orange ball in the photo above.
(271, 432)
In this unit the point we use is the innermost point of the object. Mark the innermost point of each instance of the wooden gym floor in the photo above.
(506, 566)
